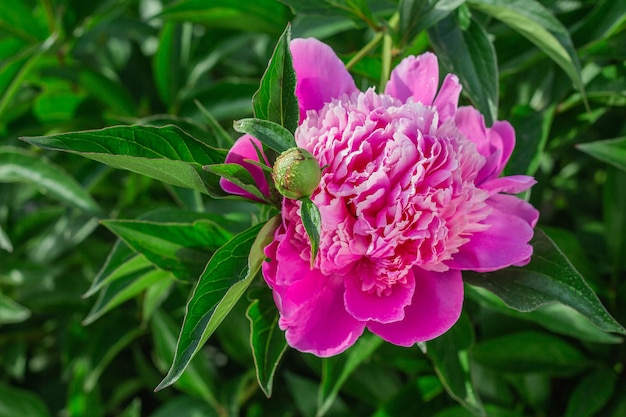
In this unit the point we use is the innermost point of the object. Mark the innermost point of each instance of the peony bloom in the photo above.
(410, 196)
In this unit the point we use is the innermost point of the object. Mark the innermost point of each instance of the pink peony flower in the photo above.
(411, 195)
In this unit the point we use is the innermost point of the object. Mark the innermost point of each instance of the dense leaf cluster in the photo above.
(120, 258)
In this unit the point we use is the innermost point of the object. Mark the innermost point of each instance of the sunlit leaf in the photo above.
(17, 165)
(259, 16)
(275, 100)
(181, 248)
(548, 278)
(469, 54)
(124, 289)
(419, 15)
(226, 277)
(11, 311)
(269, 133)
(538, 25)
(164, 153)
(611, 151)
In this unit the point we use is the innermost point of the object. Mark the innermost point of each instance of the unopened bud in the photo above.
(296, 173)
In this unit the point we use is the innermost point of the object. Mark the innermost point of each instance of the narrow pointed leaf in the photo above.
(312, 221)
(267, 16)
(5, 241)
(275, 100)
(548, 278)
(124, 289)
(269, 133)
(199, 378)
(11, 311)
(611, 151)
(267, 340)
(165, 153)
(336, 370)
(469, 54)
(225, 279)
(19, 166)
(450, 355)
(533, 21)
(239, 176)
(182, 248)
(419, 15)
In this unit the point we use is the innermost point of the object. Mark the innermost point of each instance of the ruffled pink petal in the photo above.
(505, 243)
(311, 305)
(513, 184)
(365, 306)
(495, 144)
(515, 206)
(241, 150)
(320, 323)
(416, 77)
(320, 74)
(447, 99)
(436, 306)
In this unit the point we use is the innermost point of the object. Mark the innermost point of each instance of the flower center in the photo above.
(398, 191)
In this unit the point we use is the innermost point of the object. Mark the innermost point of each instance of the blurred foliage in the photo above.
(555, 68)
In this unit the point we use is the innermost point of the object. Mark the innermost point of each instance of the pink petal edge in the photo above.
(320, 74)
(244, 149)
(436, 306)
(365, 306)
(415, 76)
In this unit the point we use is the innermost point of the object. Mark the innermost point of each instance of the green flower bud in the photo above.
(296, 173)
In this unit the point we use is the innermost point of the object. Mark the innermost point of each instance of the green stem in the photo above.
(365, 50)
(387, 54)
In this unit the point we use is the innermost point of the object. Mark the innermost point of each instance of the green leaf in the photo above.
(532, 128)
(605, 18)
(450, 355)
(336, 370)
(269, 133)
(170, 60)
(469, 54)
(226, 277)
(199, 379)
(181, 248)
(165, 153)
(19, 166)
(12, 312)
(312, 222)
(120, 262)
(419, 15)
(275, 100)
(239, 176)
(123, 289)
(548, 278)
(533, 21)
(529, 352)
(611, 151)
(5, 241)
(18, 402)
(267, 340)
(555, 317)
(592, 393)
(613, 208)
(266, 16)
